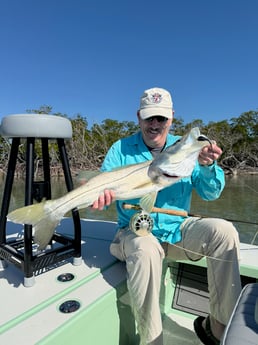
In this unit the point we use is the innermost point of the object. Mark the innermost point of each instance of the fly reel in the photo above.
(141, 223)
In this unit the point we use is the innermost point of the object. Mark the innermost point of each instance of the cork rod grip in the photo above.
(157, 210)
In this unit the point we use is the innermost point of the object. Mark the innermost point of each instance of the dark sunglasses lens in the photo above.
(158, 118)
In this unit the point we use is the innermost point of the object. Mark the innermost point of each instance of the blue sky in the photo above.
(96, 57)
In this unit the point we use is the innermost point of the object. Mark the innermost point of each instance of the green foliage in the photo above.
(111, 130)
(88, 147)
(43, 109)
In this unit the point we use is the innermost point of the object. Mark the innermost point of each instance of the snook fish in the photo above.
(142, 180)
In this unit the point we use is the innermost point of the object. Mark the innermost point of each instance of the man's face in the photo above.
(154, 130)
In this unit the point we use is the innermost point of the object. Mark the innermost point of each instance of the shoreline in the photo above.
(89, 172)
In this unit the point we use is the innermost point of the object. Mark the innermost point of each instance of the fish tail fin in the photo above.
(28, 214)
(41, 217)
(44, 231)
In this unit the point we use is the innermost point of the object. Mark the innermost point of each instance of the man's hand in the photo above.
(209, 154)
(104, 199)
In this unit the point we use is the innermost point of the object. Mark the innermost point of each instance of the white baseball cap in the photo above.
(156, 102)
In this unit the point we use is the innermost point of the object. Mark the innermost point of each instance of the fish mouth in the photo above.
(156, 173)
(160, 173)
(169, 176)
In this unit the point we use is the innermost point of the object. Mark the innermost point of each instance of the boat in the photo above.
(87, 302)
(74, 291)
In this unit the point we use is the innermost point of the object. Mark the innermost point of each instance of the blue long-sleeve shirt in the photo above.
(208, 181)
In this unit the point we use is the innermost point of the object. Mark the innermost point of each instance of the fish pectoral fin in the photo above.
(147, 201)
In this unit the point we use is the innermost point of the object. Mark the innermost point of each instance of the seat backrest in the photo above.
(242, 328)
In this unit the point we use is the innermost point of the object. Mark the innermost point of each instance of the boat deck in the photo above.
(31, 315)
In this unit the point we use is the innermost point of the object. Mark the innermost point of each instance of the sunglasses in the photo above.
(157, 117)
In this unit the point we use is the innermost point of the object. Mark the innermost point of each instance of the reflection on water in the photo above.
(239, 201)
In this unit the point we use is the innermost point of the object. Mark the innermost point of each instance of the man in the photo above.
(174, 236)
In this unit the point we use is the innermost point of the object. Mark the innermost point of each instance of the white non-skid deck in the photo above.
(30, 315)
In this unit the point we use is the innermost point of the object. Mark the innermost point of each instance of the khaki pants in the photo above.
(214, 238)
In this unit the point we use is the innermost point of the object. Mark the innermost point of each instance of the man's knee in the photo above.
(226, 230)
(147, 247)
(224, 237)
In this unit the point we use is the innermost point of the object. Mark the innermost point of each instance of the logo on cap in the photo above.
(156, 97)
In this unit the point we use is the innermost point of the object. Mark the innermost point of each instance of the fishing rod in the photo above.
(180, 213)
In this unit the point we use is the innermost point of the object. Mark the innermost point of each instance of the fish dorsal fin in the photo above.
(147, 201)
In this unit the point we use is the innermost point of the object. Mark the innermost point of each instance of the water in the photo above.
(239, 201)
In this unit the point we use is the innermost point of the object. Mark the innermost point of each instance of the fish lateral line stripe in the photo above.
(101, 185)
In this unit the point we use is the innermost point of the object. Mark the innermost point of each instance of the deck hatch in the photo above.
(191, 289)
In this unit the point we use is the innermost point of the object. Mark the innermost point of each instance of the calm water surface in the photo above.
(239, 201)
